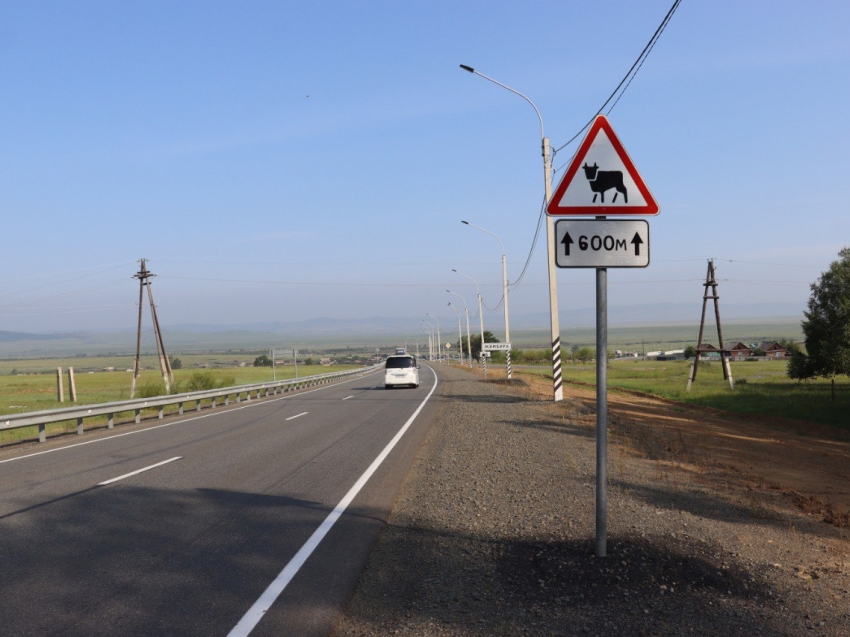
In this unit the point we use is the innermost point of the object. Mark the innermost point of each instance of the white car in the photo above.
(401, 370)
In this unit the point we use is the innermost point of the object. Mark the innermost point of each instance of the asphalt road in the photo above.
(238, 524)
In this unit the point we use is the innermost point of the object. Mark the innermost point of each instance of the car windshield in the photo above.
(400, 362)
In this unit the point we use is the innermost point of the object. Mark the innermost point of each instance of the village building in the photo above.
(774, 350)
(738, 350)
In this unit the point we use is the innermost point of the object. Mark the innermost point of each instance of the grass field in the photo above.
(28, 391)
(761, 388)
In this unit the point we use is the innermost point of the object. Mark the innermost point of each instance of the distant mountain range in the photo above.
(324, 332)
(631, 315)
(637, 315)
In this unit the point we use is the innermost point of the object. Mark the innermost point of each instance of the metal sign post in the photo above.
(601, 168)
(601, 412)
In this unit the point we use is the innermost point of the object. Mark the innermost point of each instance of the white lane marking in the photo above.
(177, 422)
(303, 413)
(347, 397)
(250, 619)
(138, 471)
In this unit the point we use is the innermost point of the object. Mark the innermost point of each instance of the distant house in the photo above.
(773, 349)
(708, 350)
(738, 350)
(324, 361)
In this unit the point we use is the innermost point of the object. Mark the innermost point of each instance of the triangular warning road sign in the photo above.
(601, 179)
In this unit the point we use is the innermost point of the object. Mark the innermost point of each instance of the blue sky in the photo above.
(281, 161)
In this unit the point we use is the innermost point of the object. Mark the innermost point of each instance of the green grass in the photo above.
(761, 388)
(37, 391)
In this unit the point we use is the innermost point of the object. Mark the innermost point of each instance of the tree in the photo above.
(690, 351)
(476, 343)
(262, 361)
(827, 326)
(584, 354)
(176, 363)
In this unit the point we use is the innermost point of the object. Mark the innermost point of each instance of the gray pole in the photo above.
(601, 411)
(550, 242)
(504, 296)
(468, 342)
(507, 324)
(439, 338)
(480, 317)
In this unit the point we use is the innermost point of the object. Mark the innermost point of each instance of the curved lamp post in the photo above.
(430, 330)
(504, 292)
(482, 358)
(468, 342)
(439, 339)
(459, 332)
(557, 383)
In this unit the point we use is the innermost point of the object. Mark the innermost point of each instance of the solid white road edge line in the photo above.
(179, 422)
(138, 471)
(303, 413)
(347, 397)
(250, 619)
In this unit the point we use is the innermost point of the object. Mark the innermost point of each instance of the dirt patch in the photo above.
(767, 457)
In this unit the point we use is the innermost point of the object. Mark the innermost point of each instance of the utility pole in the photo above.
(144, 276)
(710, 282)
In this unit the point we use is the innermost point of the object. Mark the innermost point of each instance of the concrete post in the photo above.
(72, 386)
(60, 390)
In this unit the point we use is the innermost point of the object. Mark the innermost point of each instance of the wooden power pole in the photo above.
(710, 282)
(144, 276)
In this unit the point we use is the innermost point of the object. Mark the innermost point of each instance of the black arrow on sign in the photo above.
(567, 241)
(636, 241)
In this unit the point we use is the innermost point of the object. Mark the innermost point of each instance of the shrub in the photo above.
(202, 381)
(151, 389)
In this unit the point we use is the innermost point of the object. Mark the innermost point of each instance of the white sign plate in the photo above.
(601, 243)
(496, 347)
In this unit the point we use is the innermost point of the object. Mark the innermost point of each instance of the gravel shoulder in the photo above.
(493, 531)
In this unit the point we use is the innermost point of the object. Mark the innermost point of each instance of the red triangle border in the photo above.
(601, 123)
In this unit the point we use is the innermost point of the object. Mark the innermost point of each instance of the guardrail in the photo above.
(81, 412)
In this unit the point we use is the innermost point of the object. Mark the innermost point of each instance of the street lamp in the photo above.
(505, 293)
(439, 339)
(430, 330)
(557, 383)
(468, 342)
(480, 316)
(428, 334)
(459, 332)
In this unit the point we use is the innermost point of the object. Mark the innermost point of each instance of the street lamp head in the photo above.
(467, 68)
(466, 222)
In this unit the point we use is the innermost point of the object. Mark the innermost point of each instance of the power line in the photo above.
(631, 73)
(533, 244)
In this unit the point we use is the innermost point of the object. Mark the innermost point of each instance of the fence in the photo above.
(112, 409)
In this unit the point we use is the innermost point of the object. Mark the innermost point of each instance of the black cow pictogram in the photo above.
(602, 180)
